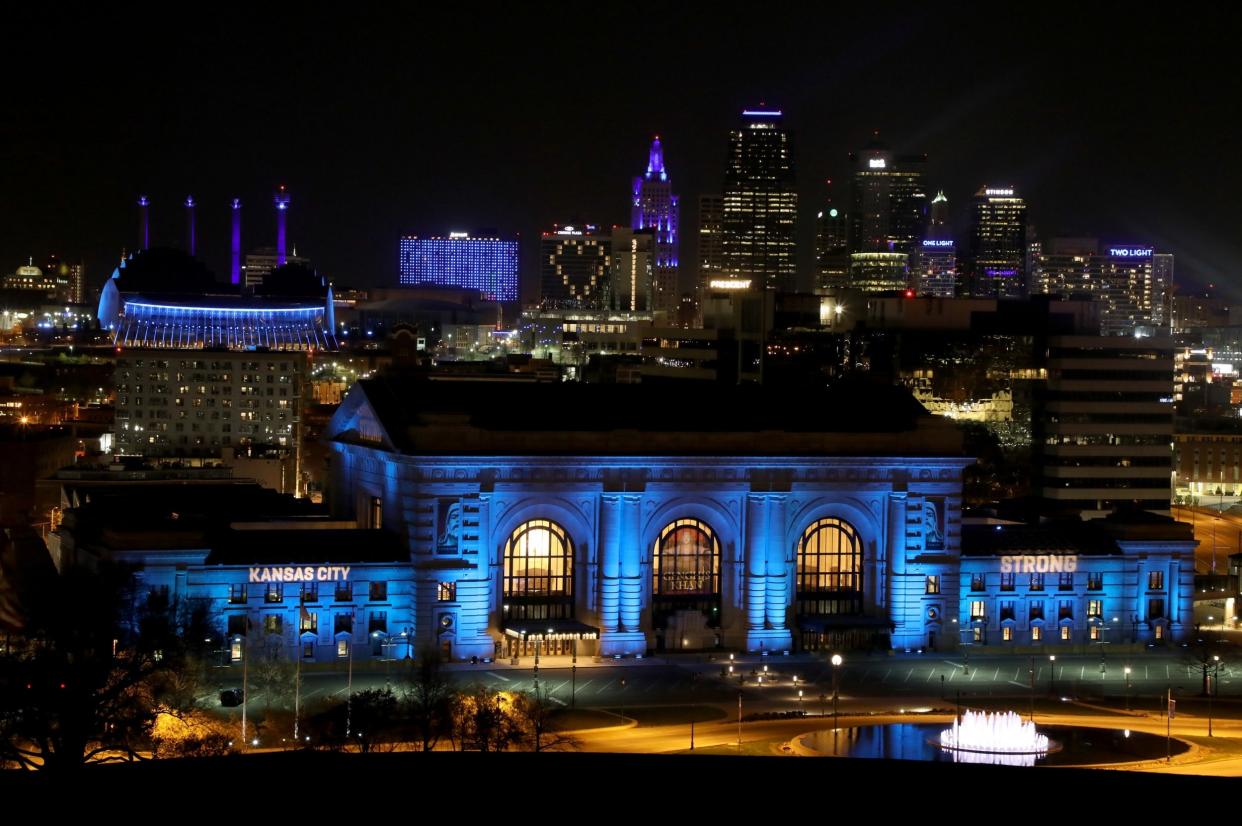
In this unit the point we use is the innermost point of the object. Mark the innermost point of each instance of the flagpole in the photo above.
(349, 680)
(245, 693)
(297, 678)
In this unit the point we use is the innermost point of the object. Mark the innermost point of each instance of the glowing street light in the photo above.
(836, 671)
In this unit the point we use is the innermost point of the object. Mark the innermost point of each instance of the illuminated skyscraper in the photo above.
(832, 248)
(934, 264)
(1127, 280)
(489, 265)
(998, 244)
(711, 240)
(632, 283)
(654, 207)
(889, 211)
(760, 205)
(575, 267)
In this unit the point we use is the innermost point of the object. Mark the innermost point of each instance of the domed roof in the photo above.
(34, 272)
(164, 270)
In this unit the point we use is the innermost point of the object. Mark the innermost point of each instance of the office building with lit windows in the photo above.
(575, 267)
(489, 265)
(997, 254)
(760, 204)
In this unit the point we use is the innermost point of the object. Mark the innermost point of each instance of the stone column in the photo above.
(903, 609)
(756, 562)
(610, 562)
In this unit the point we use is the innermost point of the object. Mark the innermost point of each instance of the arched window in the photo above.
(686, 560)
(685, 574)
(538, 578)
(830, 569)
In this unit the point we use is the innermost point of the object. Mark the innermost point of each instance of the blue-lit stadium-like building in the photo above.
(489, 265)
(162, 298)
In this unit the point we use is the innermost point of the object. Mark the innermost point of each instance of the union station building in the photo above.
(596, 519)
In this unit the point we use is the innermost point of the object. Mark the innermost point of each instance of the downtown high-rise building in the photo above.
(933, 266)
(1129, 282)
(997, 264)
(888, 216)
(889, 209)
(760, 204)
(832, 247)
(575, 267)
(632, 271)
(711, 239)
(654, 207)
(487, 264)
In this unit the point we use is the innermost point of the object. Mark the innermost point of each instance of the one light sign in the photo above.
(934, 242)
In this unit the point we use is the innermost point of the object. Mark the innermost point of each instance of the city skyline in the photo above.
(1114, 170)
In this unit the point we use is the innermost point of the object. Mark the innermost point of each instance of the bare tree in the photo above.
(536, 715)
(430, 699)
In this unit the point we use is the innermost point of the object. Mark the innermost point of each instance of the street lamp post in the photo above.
(1127, 688)
(1212, 688)
(836, 671)
(1052, 675)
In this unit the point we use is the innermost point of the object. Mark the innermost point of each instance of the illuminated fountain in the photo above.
(992, 737)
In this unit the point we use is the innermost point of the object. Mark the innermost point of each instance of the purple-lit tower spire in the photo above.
(654, 208)
(282, 208)
(144, 223)
(189, 224)
(235, 248)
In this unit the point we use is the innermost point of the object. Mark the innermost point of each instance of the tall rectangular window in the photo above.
(237, 593)
(1006, 610)
(1037, 610)
(1065, 633)
(1095, 582)
(1095, 608)
(379, 591)
(275, 592)
(1066, 582)
(1065, 610)
(375, 518)
(272, 624)
(309, 623)
(977, 582)
(933, 585)
(1007, 633)
(1095, 633)
(1037, 633)
(310, 591)
(447, 592)
(378, 622)
(343, 624)
(1037, 582)
(1155, 580)
(976, 609)
(344, 591)
(1007, 582)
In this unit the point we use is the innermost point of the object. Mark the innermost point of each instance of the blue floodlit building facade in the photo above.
(561, 517)
(489, 265)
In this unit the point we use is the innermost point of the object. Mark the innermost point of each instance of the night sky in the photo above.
(1111, 122)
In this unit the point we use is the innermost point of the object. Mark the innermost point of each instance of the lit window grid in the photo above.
(489, 265)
